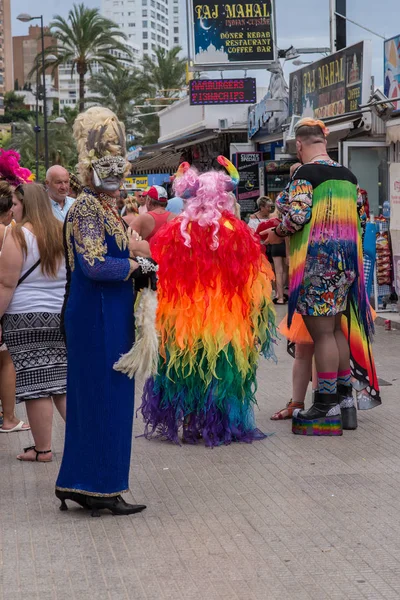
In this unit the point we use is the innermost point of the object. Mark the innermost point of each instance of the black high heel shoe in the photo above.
(80, 499)
(115, 504)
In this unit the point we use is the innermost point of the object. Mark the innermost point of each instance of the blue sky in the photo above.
(300, 24)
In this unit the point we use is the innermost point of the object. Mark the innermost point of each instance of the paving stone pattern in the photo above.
(285, 518)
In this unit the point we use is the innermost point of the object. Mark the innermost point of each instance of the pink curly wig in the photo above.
(210, 198)
(10, 169)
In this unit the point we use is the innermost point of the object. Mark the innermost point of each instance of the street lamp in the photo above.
(298, 62)
(25, 18)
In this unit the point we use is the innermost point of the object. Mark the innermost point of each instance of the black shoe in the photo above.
(115, 504)
(322, 418)
(80, 499)
(349, 413)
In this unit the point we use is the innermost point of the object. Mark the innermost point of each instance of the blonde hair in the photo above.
(131, 206)
(264, 201)
(47, 229)
(98, 132)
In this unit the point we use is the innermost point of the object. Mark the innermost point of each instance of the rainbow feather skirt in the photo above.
(215, 317)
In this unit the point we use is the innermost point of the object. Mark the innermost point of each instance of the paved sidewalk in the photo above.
(286, 518)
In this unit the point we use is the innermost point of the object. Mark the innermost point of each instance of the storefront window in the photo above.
(369, 165)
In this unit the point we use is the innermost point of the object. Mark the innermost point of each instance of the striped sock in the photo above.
(327, 383)
(344, 377)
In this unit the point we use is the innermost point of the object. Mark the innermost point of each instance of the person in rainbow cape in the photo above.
(327, 287)
(214, 318)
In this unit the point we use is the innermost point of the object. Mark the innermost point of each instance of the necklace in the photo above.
(319, 156)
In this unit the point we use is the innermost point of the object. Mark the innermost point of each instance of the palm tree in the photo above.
(62, 149)
(167, 74)
(166, 77)
(119, 89)
(82, 40)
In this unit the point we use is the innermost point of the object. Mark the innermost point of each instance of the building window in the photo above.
(145, 35)
(175, 10)
(145, 46)
(176, 40)
(153, 36)
(131, 24)
(144, 24)
(144, 13)
(153, 14)
(153, 25)
(176, 29)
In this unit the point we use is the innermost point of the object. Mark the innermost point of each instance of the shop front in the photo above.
(337, 90)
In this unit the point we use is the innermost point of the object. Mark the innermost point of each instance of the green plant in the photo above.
(82, 39)
(62, 149)
(119, 90)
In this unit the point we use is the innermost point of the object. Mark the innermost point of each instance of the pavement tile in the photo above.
(286, 518)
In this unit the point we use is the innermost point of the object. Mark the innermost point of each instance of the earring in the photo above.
(96, 179)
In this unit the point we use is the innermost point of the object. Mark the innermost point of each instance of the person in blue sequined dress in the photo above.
(99, 324)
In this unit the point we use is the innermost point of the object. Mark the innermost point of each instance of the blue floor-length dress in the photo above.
(99, 328)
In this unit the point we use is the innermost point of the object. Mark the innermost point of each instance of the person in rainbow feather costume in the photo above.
(214, 317)
(327, 288)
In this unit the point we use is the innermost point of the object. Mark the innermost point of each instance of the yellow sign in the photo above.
(142, 182)
(136, 182)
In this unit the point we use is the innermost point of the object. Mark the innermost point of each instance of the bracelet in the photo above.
(148, 266)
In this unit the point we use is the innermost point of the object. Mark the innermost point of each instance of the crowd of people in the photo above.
(78, 256)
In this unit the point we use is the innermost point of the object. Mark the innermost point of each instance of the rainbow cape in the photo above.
(214, 318)
(335, 227)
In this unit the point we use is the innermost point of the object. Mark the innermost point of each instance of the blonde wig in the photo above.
(98, 133)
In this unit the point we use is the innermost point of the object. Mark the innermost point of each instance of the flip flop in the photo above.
(19, 427)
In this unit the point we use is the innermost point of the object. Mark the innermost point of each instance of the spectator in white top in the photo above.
(57, 183)
(32, 286)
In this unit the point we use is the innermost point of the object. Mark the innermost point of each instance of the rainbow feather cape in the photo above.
(214, 318)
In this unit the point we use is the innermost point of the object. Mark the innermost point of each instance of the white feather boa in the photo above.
(142, 359)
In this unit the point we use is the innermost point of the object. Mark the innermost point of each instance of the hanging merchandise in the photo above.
(383, 259)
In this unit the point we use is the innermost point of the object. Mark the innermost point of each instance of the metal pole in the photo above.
(46, 140)
(37, 130)
(341, 25)
(332, 24)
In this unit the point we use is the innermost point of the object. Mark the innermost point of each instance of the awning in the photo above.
(159, 161)
(393, 131)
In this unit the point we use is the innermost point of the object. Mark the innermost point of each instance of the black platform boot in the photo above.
(115, 504)
(347, 407)
(322, 418)
(80, 499)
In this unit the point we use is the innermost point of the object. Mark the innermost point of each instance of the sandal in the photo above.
(287, 412)
(38, 453)
(275, 301)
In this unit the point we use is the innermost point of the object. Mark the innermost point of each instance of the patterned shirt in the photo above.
(295, 203)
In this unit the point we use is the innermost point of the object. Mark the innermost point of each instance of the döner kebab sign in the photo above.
(230, 33)
(333, 86)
